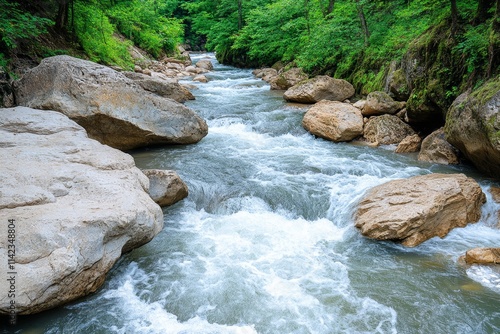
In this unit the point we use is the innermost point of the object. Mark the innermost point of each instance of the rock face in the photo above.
(483, 256)
(287, 79)
(436, 149)
(320, 88)
(379, 103)
(410, 144)
(171, 90)
(77, 206)
(416, 209)
(473, 126)
(386, 129)
(334, 121)
(6, 94)
(112, 108)
(165, 186)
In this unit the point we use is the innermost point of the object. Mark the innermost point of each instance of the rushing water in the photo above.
(265, 242)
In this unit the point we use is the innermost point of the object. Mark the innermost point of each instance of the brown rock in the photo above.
(483, 256)
(386, 129)
(205, 64)
(410, 144)
(379, 103)
(320, 88)
(165, 186)
(436, 149)
(200, 78)
(334, 121)
(111, 107)
(287, 79)
(416, 209)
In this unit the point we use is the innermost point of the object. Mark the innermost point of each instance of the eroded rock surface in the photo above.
(320, 88)
(77, 206)
(386, 129)
(112, 108)
(416, 209)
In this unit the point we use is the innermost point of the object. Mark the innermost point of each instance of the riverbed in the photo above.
(265, 241)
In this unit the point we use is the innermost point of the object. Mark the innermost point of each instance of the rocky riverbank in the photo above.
(77, 203)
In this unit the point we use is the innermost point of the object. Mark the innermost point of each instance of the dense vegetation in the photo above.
(455, 42)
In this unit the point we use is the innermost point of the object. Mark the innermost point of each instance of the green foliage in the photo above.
(95, 33)
(16, 24)
(3, 62)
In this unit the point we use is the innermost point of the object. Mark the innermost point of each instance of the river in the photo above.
(265, 242)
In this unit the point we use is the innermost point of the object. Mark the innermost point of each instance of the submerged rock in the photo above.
(473, 126)
(436, 149)
(483, 256)
(419, 208)
(112, 108)
(334, 121)
(165, 186)
(386, 130)
(77, 206)
(320, 88)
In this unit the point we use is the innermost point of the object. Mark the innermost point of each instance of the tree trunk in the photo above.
(240, 14)
(62, 15)
(454, 18)
(482, 11)
(494, 47)
(362, 19)
(329, 8)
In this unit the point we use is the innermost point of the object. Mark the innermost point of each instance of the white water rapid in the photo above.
(265, 242)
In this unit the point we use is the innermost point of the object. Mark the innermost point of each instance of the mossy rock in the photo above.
(473, 126)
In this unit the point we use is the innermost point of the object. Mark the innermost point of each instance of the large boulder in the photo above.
(320, 88)
(396, 83)
(386, 129)
(436, 149)
(379, 103)
(483, 256)
(334, 121)
(165, 88)
(416, 209)
(76, 204)
(473, 126)
(287, 79)
(165, 186)
(112, 108)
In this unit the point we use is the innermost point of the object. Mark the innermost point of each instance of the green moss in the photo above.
(487, 91)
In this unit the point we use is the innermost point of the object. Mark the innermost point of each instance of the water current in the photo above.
(265, 242)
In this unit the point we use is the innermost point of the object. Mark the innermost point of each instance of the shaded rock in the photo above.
(200, 78)
(169, 89)
(396, 84)
(111, 107)
(483, 256)
(265, 74)
(386, 129)
(165, 186)
(436, 149)
(379, 103)
(410, 144)
(360, 104)
(6, 93)
(205, 64)
(320, 88)
(416, 209)
(334, 121)
(287, 79)
(473, 127)
(495, 193)
(77, 205)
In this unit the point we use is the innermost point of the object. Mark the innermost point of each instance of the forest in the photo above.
(357, 40)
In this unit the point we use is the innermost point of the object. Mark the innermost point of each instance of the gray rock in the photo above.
(165, 186)
(77, 205)
(112, 108)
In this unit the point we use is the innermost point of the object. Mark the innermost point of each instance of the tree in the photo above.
(362, 19)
